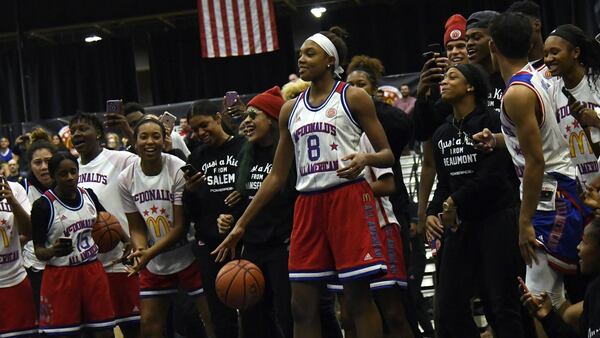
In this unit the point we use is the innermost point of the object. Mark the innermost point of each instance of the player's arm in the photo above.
(21, 207)
(137, 230)
(384, 186)
(275, 180)
(521, 105)
(361, 105)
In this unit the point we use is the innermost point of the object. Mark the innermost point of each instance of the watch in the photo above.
(446, 206)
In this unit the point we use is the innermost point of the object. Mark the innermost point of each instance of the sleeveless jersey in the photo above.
(102, 175)
(554, 147)
(11, 263)
(29, 258)
(322, 136)
(385, 210)
(580, 147)
(153, 197)
(74, 223)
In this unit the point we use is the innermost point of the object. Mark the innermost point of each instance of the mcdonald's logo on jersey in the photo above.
(159, 225)
(581, 139)
(366, 197)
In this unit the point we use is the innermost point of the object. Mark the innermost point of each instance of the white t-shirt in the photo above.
(178, 143)
(29, 258)
(11, 262)
(385, 210)
(102, 176)
(153, 197)
(580, 148)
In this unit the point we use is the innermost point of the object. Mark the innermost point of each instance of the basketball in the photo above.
(107, 232)
(240, 284)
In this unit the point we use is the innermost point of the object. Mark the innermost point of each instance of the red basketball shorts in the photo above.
(125, 295)
(394, 254)
(18, 317)
(74, 298)
(335, 235)
(153, 285)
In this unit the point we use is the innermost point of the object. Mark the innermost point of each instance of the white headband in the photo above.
(330, 49)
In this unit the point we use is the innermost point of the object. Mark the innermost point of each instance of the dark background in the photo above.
(150, 50)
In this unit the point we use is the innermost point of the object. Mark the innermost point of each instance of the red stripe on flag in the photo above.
(213, 27)
(238, 30)
(202, 30)
(226, 28)
(261, 25)
(250, 40)
(273, 23)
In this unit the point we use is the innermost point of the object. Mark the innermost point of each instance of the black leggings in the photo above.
(485, 256)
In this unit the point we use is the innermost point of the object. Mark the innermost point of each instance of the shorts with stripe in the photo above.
(153, 285)
(394, 254)
(75, 298)
(335, 235)
(125, 295)
(560, 231)
(18, 317)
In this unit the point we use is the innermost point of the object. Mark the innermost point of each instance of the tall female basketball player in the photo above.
(335, 219)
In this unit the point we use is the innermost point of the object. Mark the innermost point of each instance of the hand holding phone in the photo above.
(63, 246)
(189, 170)
(231, 98)
(526, 292)
(168, 120)
(114, 106)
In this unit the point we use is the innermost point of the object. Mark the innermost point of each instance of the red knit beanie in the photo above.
(269, 102)
(456, 27)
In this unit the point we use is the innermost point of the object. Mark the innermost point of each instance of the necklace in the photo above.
(460, 131)
(459, 127)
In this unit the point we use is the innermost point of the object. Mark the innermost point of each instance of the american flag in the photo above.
(237, 27)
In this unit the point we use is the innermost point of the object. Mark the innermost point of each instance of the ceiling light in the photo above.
(92, 38)
(318, 11)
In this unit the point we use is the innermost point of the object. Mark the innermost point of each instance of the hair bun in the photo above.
(39, 134)
(339, 31)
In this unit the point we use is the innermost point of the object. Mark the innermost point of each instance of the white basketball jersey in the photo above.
(153, 197)
(11, 263)
(29, 258)
(102, 176)
(74, 223)
(322, 136)
(554, 147)
(580, 147)
(385, 210)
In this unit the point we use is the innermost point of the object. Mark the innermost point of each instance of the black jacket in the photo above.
(589, 323)
(273, 224)
(480, 184)
(203, 207)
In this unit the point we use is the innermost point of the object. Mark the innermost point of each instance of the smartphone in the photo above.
(231, 98)
(189, 170)
(432, 49)
(65, 241)
(114, 106)
(168, 120)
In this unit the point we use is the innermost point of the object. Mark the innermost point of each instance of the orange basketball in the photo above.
(240, 284)
(107, 232)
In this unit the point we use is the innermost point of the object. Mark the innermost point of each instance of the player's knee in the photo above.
(304, 309)
(151, 326)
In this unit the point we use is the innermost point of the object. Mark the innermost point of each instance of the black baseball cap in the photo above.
(481, 19)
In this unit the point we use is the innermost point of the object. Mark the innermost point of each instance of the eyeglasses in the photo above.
(251, 113)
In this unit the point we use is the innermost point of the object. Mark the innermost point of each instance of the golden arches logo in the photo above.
(5, 238)
(155, 224)
(581, 140)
